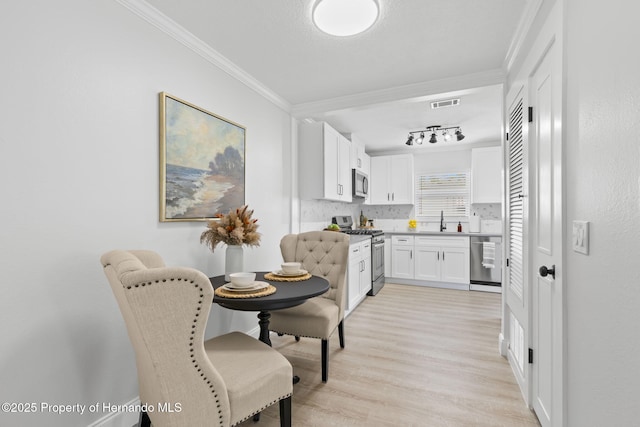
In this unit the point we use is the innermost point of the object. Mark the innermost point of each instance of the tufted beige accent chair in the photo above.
(325, 254)
(219, 382)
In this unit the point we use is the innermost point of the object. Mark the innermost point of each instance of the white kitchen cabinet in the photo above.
(324, 163)
(365, 274)
(431, 258)
(387, 257)
(427, 262)
(359, 159)
(392, 180)
(486, 175)
(402, 263)
(359, 275)
(444, 259)
(455, 264)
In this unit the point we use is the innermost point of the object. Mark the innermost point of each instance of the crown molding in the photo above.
(522, 30)
(180, 34)
(432, 87)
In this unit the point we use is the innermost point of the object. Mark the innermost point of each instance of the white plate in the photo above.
(282, 273)
(255, 287)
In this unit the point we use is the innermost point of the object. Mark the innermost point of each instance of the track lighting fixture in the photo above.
(434, 137)
(410, 140)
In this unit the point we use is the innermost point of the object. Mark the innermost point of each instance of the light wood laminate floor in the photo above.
(414, 356)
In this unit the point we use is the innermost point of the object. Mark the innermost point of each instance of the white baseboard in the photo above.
(429, 284)
(119, 419)
(502, 345)
(255, 332)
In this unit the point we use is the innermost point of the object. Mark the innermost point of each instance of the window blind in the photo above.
(447, 192)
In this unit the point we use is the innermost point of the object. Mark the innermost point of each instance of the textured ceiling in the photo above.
(413, 42)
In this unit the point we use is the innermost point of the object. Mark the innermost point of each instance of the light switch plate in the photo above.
(581, 237)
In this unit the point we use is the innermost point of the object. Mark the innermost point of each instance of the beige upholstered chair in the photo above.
(325, 254)
(218, 382)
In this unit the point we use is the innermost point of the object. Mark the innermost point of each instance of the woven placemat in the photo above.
(275, 278)
(248, 294)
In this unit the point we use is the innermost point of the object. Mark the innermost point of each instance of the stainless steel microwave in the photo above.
(360, 184)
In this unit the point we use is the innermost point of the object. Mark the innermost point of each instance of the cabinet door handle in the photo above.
(411, 254)
(393, 197)
(388, 197)
(438, 255)
(443, 255)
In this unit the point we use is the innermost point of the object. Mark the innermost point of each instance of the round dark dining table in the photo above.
(287, 294)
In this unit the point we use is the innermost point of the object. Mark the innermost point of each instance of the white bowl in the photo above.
(291, 267)
(242, 280)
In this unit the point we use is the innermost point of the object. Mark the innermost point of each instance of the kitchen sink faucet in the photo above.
(442, 225)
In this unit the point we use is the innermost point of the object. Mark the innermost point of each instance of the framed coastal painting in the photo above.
(202, 162)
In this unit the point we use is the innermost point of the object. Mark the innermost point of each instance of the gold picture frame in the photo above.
(202, 162)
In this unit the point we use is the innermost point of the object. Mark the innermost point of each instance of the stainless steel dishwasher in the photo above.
(486, 264)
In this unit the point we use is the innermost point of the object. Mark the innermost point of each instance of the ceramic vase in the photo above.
(234, 260)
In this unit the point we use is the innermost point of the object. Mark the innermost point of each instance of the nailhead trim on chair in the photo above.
(263, 408)
(304, 336)
(192, 351)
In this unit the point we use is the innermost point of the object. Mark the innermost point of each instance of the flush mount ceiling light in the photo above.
(345, 17)
(434, 137)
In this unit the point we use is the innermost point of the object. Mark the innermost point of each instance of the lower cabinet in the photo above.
(431, 258)
(359, 275)
(427, 263)
(402, 263)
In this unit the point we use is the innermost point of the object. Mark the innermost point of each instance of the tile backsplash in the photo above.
(316, 214)
(487, 210)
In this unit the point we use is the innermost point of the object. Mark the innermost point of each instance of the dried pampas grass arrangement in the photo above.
(235, 228)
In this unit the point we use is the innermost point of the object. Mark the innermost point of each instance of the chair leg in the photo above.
(144, 420)
(325, 360)
(297, 338)
(285, 412)
(341, 333)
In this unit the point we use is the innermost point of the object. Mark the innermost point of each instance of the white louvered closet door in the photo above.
(516, 201)
(516, 296)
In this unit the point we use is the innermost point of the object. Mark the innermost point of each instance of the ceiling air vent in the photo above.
(445, 103)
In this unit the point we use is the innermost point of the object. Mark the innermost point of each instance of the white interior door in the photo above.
(546, 239)
(515, 288)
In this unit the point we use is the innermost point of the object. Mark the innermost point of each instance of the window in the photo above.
(448, 192)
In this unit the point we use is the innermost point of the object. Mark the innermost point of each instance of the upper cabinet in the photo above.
(324, 162)
(486, 175)
(359, 159)
(392, 180)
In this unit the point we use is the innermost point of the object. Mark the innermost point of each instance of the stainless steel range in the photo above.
(377, 249)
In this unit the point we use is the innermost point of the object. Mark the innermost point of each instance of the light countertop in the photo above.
(442, 234)
(357, 238)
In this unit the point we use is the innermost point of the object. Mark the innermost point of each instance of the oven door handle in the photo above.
(378, 244)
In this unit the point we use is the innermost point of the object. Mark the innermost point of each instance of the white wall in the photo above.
(442, 161)
(79, 176)
(603, 187)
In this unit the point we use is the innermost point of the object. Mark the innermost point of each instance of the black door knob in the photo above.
(544, 271)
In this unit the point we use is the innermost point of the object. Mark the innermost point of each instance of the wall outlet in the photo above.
(581, 237)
